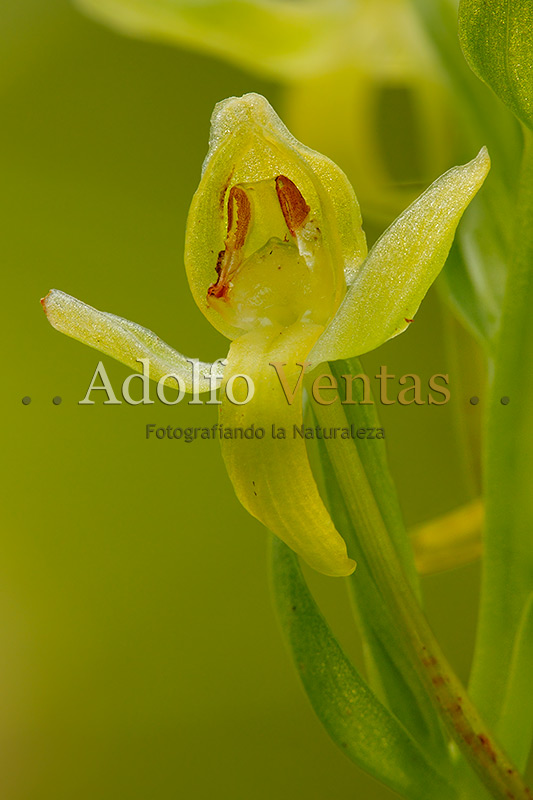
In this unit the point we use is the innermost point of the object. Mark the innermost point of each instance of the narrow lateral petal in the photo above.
(126, 341)
(272, 477)
(394, 278)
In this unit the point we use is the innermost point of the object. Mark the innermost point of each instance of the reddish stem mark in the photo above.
(487, 747)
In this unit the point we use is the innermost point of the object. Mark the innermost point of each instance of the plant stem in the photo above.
(508, 563)
(442, 686)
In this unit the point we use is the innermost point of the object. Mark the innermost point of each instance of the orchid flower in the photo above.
(277, 261)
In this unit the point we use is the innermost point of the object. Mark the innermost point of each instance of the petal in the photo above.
(394, 278)
(126, 341)
(272, 477)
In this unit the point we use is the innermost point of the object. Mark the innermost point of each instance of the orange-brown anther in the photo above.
(229, 259)
(239, 214)
(295, 209)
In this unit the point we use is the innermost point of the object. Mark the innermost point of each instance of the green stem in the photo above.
(508, 564)
(435, 674)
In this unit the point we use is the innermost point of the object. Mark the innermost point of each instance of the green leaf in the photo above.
(516, 728)
(354, 718)
(462, 719)
(284, 40)
(497, 40)
(390, 670)
(508, 554)
(389, 665)
(373, 455)
(468, 286)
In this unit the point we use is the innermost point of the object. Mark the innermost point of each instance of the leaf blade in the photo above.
(369, 734)
(497, 40)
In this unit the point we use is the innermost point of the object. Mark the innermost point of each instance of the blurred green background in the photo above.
(140, 657)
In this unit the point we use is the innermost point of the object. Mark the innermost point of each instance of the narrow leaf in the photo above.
(516, 727)
(508, 555)
(356, 721)
(462, 719)
(389, 665)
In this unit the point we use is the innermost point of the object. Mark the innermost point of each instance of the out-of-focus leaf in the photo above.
(449, 541)
(274, 38)
(518, 705)
(508, 555)
(497, 40)
(387, 117)
(473, 286)
(354, 718)
(474, 281)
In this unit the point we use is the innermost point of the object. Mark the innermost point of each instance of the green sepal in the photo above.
(128, 342)
(398, 271)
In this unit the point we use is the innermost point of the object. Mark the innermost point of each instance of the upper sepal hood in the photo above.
(261, 187)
